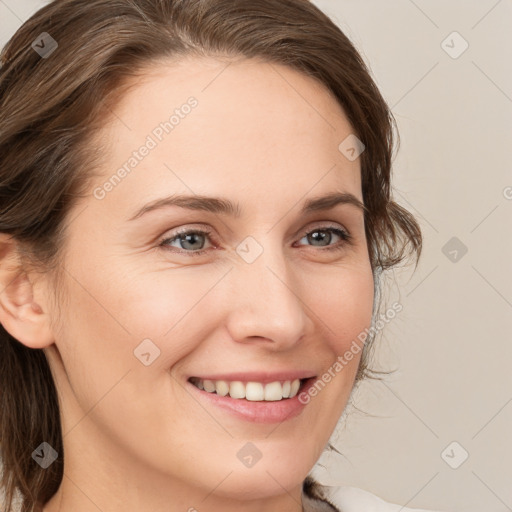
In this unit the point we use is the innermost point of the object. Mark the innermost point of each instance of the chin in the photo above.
(254, 484)
(262, 480)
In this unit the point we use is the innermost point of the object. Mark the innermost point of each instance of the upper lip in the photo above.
(263, 377)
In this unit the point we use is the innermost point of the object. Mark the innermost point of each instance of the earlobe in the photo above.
(20, 315)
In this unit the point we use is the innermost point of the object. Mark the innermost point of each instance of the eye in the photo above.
(192, 241)
(324, 234)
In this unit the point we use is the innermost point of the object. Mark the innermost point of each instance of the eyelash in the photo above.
(346, 238)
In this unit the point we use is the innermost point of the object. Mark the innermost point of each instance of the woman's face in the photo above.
(264, 291)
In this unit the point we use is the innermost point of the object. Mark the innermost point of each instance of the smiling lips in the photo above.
(252, 391)
(258, 397)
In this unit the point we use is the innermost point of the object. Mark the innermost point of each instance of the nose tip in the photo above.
(267, 309)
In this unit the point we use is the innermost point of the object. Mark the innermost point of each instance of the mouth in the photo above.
(244, 397)
(251, 391)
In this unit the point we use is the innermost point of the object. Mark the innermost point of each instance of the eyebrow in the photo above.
(224, 206)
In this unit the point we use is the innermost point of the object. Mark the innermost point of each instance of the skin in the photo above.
(134, 438)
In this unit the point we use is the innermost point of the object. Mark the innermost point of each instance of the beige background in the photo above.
(452, 343)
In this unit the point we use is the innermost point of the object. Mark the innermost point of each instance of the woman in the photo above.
(140, 372)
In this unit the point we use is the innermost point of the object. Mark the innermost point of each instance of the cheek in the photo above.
(343, 306)
(342, 303)
(110, 315)
(175, 308)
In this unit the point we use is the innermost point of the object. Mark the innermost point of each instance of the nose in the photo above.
(267, 305)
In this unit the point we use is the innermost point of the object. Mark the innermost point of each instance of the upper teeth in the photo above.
(254, 391)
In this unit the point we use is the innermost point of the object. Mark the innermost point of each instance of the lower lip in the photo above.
(257, 412)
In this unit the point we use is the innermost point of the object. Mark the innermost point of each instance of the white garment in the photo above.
(325, 498)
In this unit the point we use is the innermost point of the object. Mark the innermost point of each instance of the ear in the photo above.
(21, 316)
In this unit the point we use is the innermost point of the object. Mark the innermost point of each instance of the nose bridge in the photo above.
(266, 301)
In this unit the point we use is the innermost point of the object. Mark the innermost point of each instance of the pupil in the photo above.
(191, 238)
(322, 236)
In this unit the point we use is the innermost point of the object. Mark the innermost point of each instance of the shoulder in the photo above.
(320, 498)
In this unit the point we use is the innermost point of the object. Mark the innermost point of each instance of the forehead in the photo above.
(244, 126)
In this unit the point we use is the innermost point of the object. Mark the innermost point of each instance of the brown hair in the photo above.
(51, 107)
